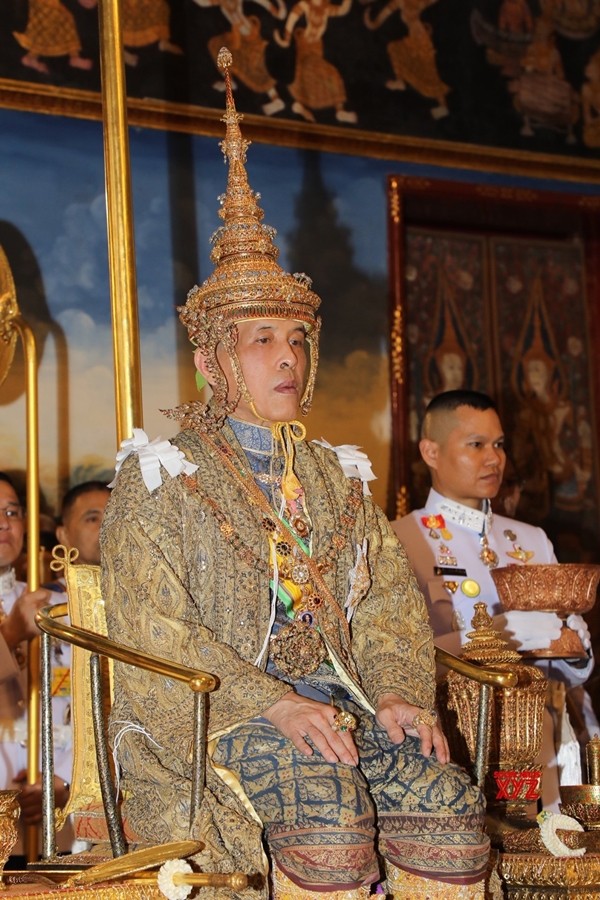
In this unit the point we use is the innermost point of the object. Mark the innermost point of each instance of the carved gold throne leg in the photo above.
(285, 889)
(401, 884)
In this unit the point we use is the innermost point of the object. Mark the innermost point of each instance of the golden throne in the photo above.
(93, 803)
(117, 856)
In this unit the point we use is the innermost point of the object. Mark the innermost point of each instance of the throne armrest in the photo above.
(485, 675)
(47, 620)
(99, 646)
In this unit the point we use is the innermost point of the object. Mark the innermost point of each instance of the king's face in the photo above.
(273, 360)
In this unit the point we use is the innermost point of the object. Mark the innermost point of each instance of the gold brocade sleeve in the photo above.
(391, 636)
(392, 646)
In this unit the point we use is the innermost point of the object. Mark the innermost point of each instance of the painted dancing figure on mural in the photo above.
(412, 57)
(51, 31)
(147, 22)
(574, 19)
(590, 102)
(515, 17)
(245, 39)
(506, 40)
(542, 94)
(317, 83)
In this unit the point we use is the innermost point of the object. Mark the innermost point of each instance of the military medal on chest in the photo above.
(437, 527)
(487, 556)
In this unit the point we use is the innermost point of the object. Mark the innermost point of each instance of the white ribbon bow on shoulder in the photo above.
(354, 463)
(153, 454)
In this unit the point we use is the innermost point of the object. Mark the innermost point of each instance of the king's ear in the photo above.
(201, 365)
(429, 451)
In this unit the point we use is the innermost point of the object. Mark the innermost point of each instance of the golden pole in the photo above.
(11, 324)
(33, 567)
(121, 246)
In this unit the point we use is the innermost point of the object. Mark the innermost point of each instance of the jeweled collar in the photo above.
(8, 580)
(478, 520)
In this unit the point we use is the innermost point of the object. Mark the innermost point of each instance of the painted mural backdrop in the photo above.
(508, 316)
(522, 74)
(53, 231)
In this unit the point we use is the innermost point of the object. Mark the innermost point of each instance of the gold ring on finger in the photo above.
(344, 721)
(425, 717)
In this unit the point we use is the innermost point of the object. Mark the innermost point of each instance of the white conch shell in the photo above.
(549, 823)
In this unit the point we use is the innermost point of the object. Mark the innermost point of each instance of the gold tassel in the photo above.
(285, 889)
(404, 884)
(289, 433)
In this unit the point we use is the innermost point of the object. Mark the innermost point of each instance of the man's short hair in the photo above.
(17, 488)
(5, 477)
(450, 401)
(86, 487)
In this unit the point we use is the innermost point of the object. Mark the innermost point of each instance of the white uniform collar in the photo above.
(7, 581)
(479, 520)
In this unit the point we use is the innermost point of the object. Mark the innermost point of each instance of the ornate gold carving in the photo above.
(516, 715)
(8, 312)
(541, 875)
(395, 208)
(563, 588)
(592, 758)
(9, 815)
(397, 346)
(125, 890)
(402, 505)
(582, 801)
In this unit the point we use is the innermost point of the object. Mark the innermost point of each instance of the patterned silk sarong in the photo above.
(328, 825)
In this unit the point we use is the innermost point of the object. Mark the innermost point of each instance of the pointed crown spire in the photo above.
(247, 282)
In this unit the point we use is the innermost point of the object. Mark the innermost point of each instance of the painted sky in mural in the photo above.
(53, 228)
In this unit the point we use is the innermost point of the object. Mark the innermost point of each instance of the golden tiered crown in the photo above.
(247, 282)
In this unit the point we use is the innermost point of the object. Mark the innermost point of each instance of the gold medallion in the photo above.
(470, 587)
(300, 573)
(297, 649)
(488, 556)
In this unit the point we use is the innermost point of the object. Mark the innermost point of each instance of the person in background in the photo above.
(455, 541)
(81, 515)
(18, 607)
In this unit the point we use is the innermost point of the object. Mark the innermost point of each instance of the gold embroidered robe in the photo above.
(186, 576)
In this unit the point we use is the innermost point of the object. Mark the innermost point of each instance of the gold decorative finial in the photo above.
(224, 59)
(592, 756)
(486, 646)
(9, 311)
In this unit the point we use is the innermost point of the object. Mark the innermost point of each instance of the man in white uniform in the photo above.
(455, 541)
(17, 627)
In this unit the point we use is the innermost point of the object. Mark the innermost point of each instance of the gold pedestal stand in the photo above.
(511, 779)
